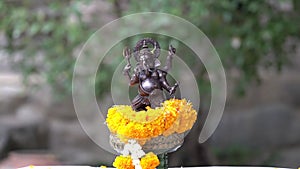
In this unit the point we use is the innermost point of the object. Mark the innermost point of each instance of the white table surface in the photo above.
(88, 167)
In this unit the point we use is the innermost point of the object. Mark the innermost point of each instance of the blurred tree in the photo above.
(46, 33)
(247, 34)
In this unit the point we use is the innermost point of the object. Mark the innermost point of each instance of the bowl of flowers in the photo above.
(152, 131)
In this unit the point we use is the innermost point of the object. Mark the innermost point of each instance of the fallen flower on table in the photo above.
(123, 162)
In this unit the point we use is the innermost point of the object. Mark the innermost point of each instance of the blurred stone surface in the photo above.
(288, 157)
(257, 126)
(266, 121)
(275, 88)
(30, 112)
(292, 88)
(12, 92)
(61, 109)
(4, 144)
(72, 145)
(18, 134)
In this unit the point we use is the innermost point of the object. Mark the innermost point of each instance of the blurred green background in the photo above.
(257, 41)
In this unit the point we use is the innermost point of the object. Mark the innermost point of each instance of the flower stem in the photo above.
(163, 159)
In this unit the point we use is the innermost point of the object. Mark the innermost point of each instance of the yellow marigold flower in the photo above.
(149, 161)
(175, 115)
(123, 162)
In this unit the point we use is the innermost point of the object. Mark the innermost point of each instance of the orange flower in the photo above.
(174, 116)
(123, 162)
(149, 161)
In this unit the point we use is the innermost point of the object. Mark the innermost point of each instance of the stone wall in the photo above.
(266, 122)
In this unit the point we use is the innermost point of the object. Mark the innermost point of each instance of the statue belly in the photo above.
(149, 85)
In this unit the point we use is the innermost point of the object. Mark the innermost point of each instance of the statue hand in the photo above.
(126, 52)
(172, 50)
(173, 89)
(127, 67)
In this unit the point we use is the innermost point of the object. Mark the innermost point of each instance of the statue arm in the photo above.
(134, 79)
(169, 59)
(165, 84)
(127, 68)
(126, 71)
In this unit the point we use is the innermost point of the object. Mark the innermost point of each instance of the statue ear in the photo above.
(157, 63)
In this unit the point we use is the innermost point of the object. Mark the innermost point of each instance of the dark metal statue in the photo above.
(150, 78)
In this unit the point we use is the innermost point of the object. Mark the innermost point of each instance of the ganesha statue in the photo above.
(147, 74)
(152, 125)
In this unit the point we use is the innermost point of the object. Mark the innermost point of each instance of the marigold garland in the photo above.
(175, 115)
(149, 161)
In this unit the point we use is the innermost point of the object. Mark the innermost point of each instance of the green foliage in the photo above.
(248, 35)
(47, 33)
